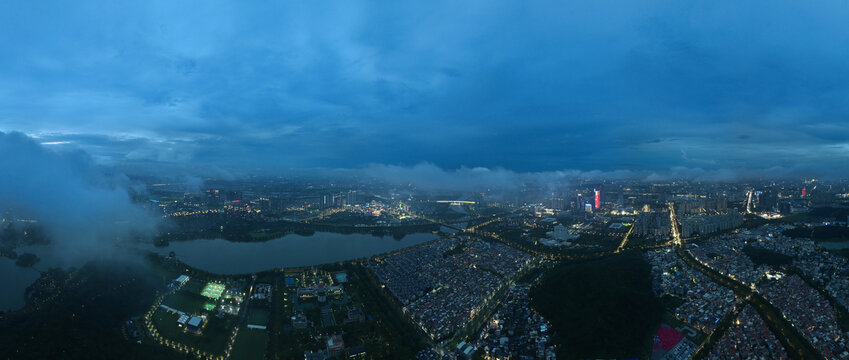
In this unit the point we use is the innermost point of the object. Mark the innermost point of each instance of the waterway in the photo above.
(835, 245)
(224, 257)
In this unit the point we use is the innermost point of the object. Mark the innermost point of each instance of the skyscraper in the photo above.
(597, 198)
(352, 197)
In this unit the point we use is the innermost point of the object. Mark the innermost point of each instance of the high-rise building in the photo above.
(278, 205)
(707, 224)
(213, 197)
(233, 196)
(264, 204)
(597, 198)
(561, 233)
(339, 200)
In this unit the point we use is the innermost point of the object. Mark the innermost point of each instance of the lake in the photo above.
(15, 279)
(224, 257)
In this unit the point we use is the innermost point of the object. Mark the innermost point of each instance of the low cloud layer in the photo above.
(428, 176)
(84, 209)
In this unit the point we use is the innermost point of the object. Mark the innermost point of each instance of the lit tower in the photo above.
(749, 202)
(597, 198)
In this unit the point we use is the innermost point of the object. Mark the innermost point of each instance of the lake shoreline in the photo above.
(224, 257)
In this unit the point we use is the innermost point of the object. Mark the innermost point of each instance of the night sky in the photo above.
(523, 86)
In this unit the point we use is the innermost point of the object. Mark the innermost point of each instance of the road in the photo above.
(242, 314)
(625, 239)
(673, 223)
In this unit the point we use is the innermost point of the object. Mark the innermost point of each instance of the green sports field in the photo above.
(258, 316)
(213, 290)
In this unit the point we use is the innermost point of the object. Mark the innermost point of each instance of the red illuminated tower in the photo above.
(804, 191)
(597, 198)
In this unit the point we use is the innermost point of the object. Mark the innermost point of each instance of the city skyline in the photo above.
(221, 180)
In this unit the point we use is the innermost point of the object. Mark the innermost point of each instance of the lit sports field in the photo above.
(213, 290)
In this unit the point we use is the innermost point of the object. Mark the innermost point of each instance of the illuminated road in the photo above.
(456, 202)
(673, 223)
(485, 223)
(625, 239)
(322, 215)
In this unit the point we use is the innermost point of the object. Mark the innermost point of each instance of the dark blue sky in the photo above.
(540, 86)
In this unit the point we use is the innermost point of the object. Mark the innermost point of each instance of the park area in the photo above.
(197, 297)
(600, 308)
(215, 334)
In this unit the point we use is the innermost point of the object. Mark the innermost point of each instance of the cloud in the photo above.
(85, 209)
(427, 176)
(183, 177)
(579, 84)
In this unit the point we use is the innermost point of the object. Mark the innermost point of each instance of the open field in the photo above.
(250, 345)
(186, 302)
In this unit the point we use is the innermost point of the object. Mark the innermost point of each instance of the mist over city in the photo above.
(439, 181)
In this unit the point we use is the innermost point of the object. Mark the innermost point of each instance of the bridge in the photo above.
(456, 202)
